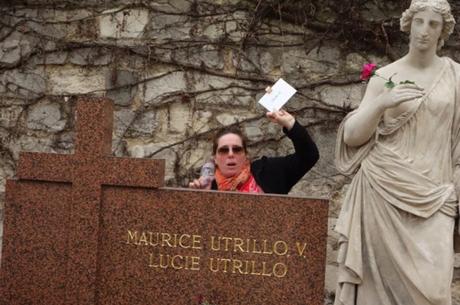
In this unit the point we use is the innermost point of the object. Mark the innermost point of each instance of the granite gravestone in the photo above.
(92, 229)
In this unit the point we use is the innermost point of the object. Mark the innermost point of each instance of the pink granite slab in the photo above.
(76, 229)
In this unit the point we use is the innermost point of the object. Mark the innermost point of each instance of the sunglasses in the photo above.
(225, 150)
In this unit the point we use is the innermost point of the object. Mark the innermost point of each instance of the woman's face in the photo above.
(230, 156)
(426, 28)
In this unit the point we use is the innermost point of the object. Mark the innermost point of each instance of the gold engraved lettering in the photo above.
(253, 272)
(187, 262)
(176, 262)
(165, 239)
(161, 262)
(157, 239)
(176, 240)
(154, 243)
(246, 269)
(143, 240)
(265, 251)
(181, 242)
(164, 262)
(301, 250)
(279, 270)
(216, 268)
(237, 244)
(264, 270)
(196, 242)
(213, 245)
(237, 264)
(225, 260)
(151, 261)
(195, 264)
(132, 236)
(254, 246)
(226, 239)
(283, 244)
(177, 267)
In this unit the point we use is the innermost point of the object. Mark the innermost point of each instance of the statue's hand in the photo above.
(400, 94)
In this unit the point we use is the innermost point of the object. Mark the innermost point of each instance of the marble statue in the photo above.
(396, 225)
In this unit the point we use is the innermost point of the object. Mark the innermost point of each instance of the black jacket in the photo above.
(277, 175)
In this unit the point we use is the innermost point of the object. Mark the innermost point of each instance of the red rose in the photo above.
(368, 71)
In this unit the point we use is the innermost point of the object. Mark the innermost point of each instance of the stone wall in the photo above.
(178, 70)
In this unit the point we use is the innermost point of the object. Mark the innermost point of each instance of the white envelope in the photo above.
(280, 94)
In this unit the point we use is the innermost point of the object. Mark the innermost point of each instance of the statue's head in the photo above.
(441, 7)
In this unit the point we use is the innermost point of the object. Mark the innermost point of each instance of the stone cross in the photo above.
(87, 170)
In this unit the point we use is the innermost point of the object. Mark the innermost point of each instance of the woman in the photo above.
(397, 219)
(234, 171)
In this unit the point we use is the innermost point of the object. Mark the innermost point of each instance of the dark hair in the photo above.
(222, 132)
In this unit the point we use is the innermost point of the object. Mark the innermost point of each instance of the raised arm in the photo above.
(279, 174)
(306, 152)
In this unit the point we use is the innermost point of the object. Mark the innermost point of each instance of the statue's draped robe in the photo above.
(397, 220)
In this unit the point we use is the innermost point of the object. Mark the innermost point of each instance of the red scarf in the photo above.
(243, 182)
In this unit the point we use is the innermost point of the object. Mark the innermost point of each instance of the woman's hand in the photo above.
(282, 118)
(201, 183)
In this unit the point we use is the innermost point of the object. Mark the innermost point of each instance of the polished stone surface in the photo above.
(91, 229)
